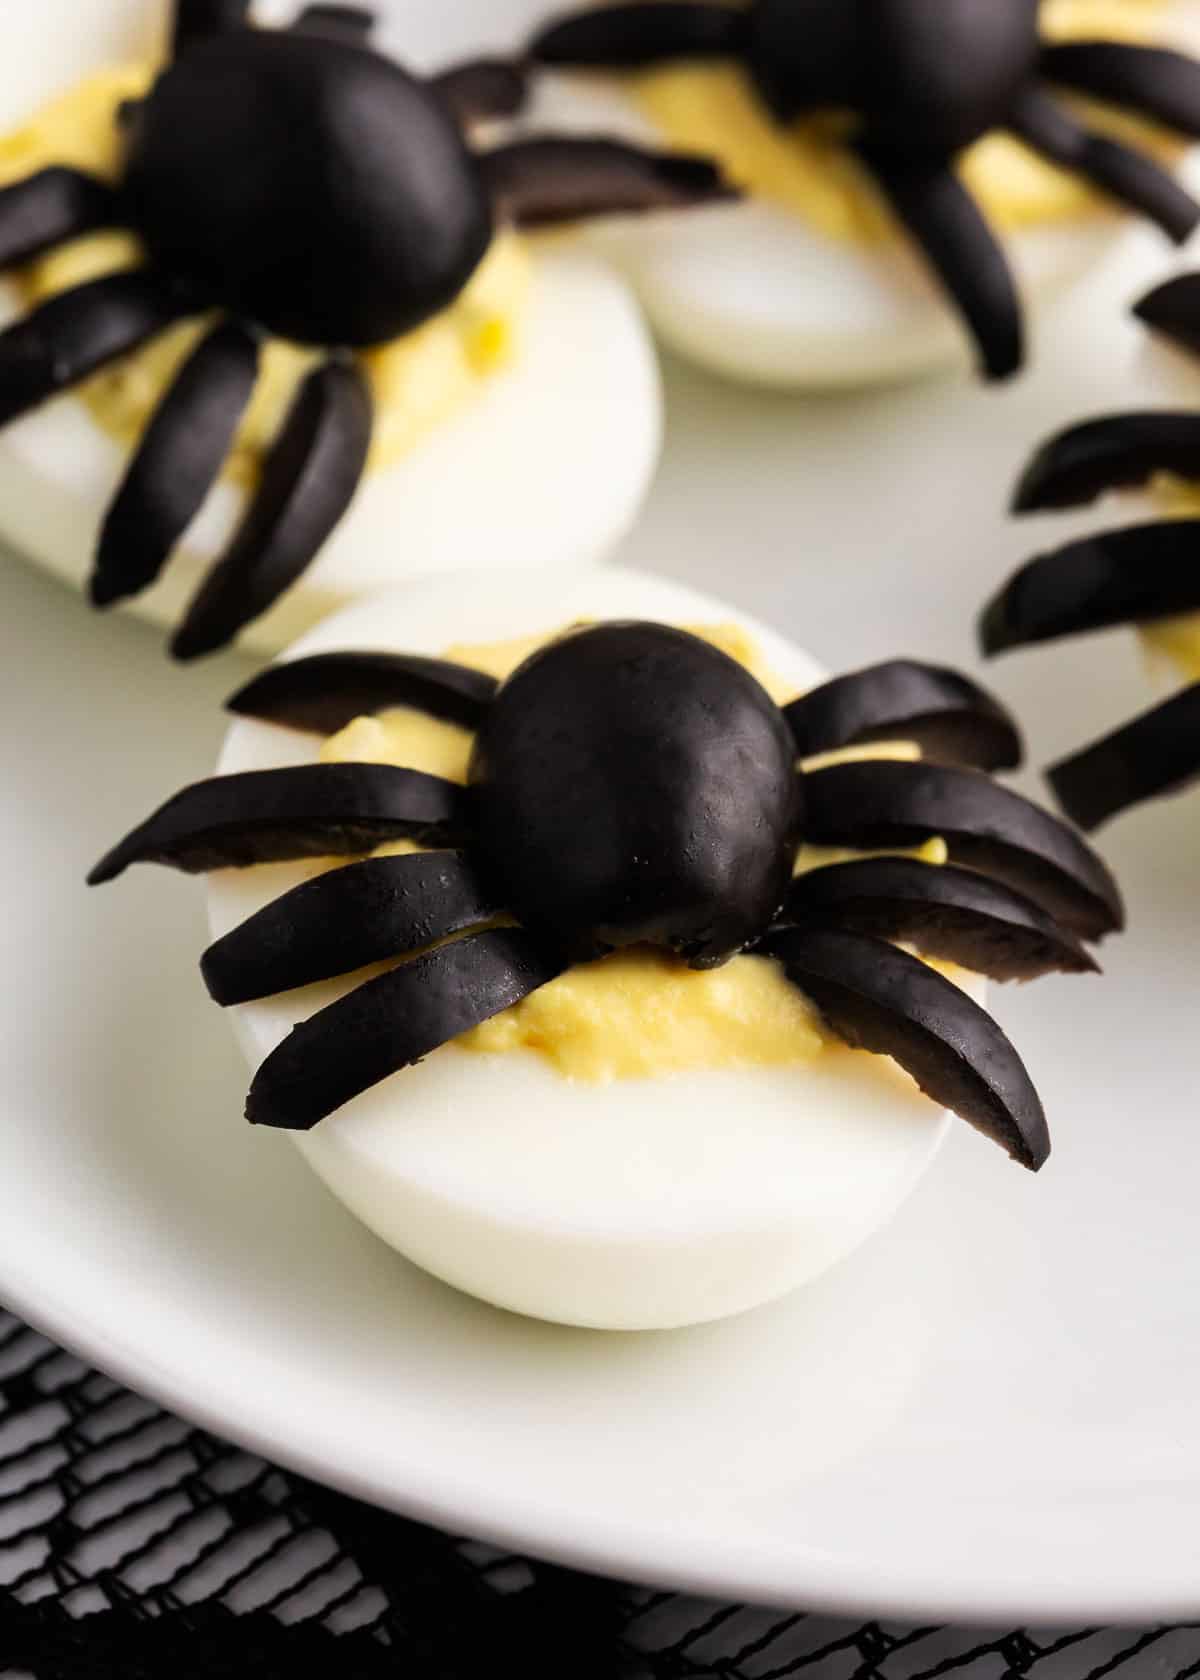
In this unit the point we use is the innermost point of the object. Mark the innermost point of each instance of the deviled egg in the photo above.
(575, 1038)
(903, 164)
(277, 332)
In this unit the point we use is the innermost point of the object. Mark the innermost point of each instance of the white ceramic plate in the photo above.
(988, 1413)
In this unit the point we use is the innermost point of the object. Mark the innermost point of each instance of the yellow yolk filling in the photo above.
(639, 1013)
(806, 167)
(417, 382)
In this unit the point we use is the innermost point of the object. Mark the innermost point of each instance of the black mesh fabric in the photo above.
(135, 1546)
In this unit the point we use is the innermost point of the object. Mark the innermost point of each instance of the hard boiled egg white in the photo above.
(637, 1204)
(757, 292)
(545, 465)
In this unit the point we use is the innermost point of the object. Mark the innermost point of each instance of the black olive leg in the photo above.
(482, 88)
(1125, 174)
(196, 19)
(949, 717)
(341, 921)
(176, 464)
(77, 332)
(1115, 452)
(1159, 83)
(1155, 755)
(325, 692)
(273, 816)
(956, 915)
(49, 208)
(961, 248)
(649, 32)
(879, 998)
(394, 1021)
(882, 805)
(537, 182)
(350, 23)
(1173, 309)
(308, 482)
(1115, 577)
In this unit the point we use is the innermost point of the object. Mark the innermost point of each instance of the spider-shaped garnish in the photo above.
(305, 186)
(1130, 576)
(925, 79)
(632, 784)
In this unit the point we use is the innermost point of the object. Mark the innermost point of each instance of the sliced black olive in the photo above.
(1157, 754)
(363, 913)
(392, 1022)
(176, 463)
(947, 715)
(1125, 174)
(956, 915)
(540, 181)
(309, 810)
(325, 692)
(77, 332)
(880, 999)
(347, 23)
(960, 247)
(482, 88)
(1117, 577)
(881, 804)
(1116, 452)
(1173, 309)
(308, 482)
(1160, 83)
(649, 32)
(49, 208)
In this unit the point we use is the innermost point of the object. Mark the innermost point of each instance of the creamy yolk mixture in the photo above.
(638, 1013)
(417, 382)
(807, 168)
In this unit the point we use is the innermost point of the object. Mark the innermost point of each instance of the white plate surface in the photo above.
(988, 1413)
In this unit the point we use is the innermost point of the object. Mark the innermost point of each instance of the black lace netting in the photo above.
(134, 1546)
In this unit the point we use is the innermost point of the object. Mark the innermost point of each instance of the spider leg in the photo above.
(350, 23)
(961, 248)
(176, 463)
(882, 804)
(195, 20)
(1173, 309)
(1157, 754)
(77, 332)
(49, 208)
(309, 480)
(949, 717)
(879, 998)
(326, 691)
(1116, 452)
(956, 915)
(273, 816)
(1159, 83)
(341, 921)
(1125, 174)
(394, 1021)
(1129, 576)
(537, 182)
(482, 88)
(626, 36)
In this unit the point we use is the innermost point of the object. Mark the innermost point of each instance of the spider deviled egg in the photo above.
(913, 169)
(1142, 573)
(280, 331)
(573, 1038)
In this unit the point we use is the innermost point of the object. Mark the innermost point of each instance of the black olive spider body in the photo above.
(1136, 575)
(925, 79)
(631, 784)
(301, 185)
